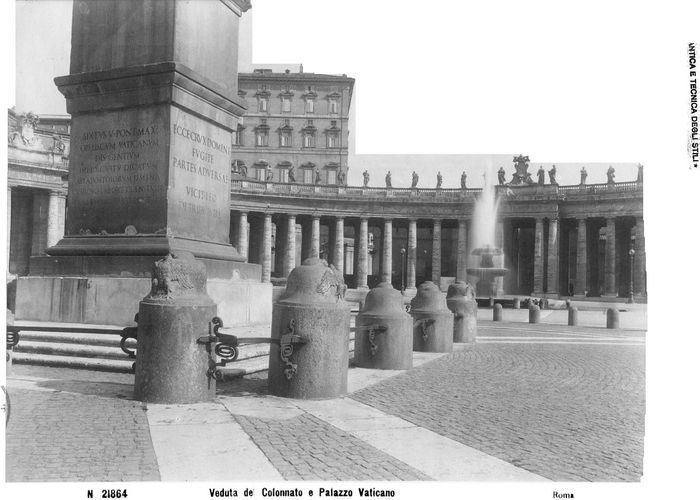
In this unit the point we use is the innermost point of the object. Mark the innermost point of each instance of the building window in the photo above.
(310, 88)
(332, 140)
(308, 176)
(331, 177)
(261, 138)
(262, 105)
(309, 140)
(260, 174)
(283, 174)
(333, 106)
(286, 139)
(309, 106)
(286, 105)
(238, 136)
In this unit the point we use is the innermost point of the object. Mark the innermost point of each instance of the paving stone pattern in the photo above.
(59, 436)
(306, 448)
(565, 412)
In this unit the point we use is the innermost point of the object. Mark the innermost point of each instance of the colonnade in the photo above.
(546, 256)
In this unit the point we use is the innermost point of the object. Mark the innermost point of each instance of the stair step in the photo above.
(75, 350)
(95, 364)
(96, 339)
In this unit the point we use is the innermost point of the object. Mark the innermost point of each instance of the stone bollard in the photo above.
(433, 322)
(613, 318)
(313, 306)
(530, 302)
(544, 303)
(171, 367)
(516, 303)
(498, 312)
(534, 313)
(389, 350)
(573, 316)
(361, 305)
(461, 300)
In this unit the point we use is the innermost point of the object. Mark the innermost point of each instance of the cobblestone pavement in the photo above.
(59, 436)
(568, 412)
(305, 448)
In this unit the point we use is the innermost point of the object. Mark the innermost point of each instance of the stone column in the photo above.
(609, 283)
(9, 228)
(362, 260)
(462, 251)
(266, 249)
(581, 260)
(315, 236)
(387, 257)
(40, 223)
(539, 257)
(242, 243)
(640, 261)
(499, 260)
(290, 250)
(411, 257)
(553, 260)
(53, 234)
(437, 248)
(339, 247)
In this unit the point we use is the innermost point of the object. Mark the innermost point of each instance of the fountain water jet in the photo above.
(483, 241)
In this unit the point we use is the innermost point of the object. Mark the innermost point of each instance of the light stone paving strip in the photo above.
(203, 442)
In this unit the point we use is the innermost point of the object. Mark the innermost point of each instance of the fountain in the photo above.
(483, 241)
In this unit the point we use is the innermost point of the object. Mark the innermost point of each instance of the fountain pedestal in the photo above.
(487, 273)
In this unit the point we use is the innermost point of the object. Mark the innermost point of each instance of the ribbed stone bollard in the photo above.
(534, 314)
(389, 350)
(433, 322)
(573, 316)
(613, 318)
(313, 307)
(516, 303)
(461, 300)
(171, 367)
(498, 312)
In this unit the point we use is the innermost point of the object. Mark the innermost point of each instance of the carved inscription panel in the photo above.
(200, 179)
(118, 172)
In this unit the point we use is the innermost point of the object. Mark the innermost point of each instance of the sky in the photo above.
(594, 83)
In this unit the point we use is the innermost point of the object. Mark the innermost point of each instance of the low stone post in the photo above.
(171, 367)
(313, 307)
(461, 300)
(573, 316)
(433, 322)
(498, 312)
(393, 348)
(613, 318)
(534, 314)
(516, 303)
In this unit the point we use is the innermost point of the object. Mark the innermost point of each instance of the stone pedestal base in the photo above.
(115, 301)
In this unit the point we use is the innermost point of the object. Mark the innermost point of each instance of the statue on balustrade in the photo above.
(540, 176)
(611, 175)
(501, 176)
(365, 178)
(291, 175)
(341, 177)
(439, 181)
(269, 175)
(584, 174)
(553, 175)
(463, 180)
(414, 180)
(318, 176)
(521, 175)
(388, 179)
(640, 173)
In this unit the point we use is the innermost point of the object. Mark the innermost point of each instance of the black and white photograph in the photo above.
(272, 249)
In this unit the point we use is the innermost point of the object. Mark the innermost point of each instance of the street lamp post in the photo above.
(631, 300)
(403, 267)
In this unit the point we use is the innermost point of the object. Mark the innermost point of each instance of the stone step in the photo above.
(70, 349)
(94, 364)
(95, 339)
